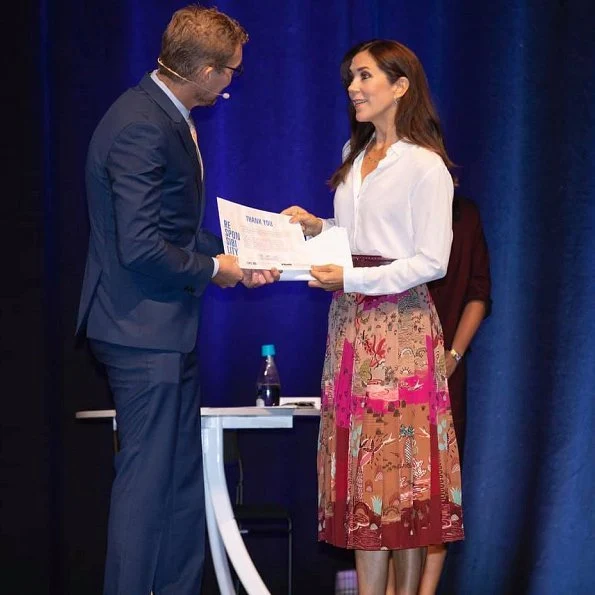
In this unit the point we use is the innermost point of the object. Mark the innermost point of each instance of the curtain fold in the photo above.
(513, 82)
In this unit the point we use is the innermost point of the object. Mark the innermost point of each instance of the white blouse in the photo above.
(401, 211)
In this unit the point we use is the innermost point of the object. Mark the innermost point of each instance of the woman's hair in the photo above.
(198, 36)
(416, 119)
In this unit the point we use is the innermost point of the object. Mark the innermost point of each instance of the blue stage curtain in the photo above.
(513, 82)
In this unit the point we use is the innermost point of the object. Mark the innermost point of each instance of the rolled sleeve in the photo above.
(480, 282)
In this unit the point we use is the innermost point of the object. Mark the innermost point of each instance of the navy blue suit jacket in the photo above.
(148, 261)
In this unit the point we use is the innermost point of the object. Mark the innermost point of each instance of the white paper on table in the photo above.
(265, 240)
(329, 247)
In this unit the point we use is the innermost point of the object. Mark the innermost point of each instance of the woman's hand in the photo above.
(451, 363)
(311, 225)
(328, 277)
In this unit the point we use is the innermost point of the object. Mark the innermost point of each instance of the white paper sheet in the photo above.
(329, 247)
(265, 240)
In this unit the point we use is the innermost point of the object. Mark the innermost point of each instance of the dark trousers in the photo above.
(156, 531)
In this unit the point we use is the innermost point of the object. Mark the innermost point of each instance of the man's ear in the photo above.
(204, 72)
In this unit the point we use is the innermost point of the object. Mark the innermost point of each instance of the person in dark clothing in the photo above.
(462, 300)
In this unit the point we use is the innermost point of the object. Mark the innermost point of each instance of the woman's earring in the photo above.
(396, 100)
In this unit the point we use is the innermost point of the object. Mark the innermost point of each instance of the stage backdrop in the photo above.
(513, 82)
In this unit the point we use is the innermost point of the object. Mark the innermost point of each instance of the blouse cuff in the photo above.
(353, 279)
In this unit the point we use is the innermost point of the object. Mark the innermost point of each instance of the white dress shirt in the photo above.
(187, 116)
(401, 211)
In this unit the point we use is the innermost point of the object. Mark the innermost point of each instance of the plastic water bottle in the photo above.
(268, 386)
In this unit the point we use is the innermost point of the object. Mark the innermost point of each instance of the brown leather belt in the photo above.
(365, 260)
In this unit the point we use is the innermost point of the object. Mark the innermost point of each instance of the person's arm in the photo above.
(471, 318)
(431, 219)
(477, 295)
(211, 244)
(136, 165)
(311, 224)
(208, 243)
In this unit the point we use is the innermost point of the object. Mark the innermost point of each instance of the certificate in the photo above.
(265, 240)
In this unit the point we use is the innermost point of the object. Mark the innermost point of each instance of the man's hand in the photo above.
(311, 225)
(328, 277)
(257, 278)
(229, 273)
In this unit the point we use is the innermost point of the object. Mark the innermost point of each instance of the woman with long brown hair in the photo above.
(388, 462)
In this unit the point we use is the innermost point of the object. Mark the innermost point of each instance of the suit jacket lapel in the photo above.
(202, 202)
(184, 132)
(179, 123)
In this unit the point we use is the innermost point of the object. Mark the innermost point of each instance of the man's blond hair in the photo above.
(197, 36)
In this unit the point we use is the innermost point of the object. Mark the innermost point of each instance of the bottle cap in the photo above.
(267, 350)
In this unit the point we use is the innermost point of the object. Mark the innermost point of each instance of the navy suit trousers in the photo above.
(156, 530)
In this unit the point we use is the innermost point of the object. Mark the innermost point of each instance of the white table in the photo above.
(224, 536)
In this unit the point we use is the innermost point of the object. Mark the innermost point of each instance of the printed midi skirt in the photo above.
(388, 464)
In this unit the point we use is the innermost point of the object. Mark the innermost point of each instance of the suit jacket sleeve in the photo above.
(136, 167)
(209, 243)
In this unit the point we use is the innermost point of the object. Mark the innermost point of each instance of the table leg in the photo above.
(218, 554)
(222, 526)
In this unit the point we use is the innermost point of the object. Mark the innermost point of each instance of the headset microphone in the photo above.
(224, 95)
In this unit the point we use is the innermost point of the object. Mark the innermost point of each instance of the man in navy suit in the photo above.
(148, 264)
